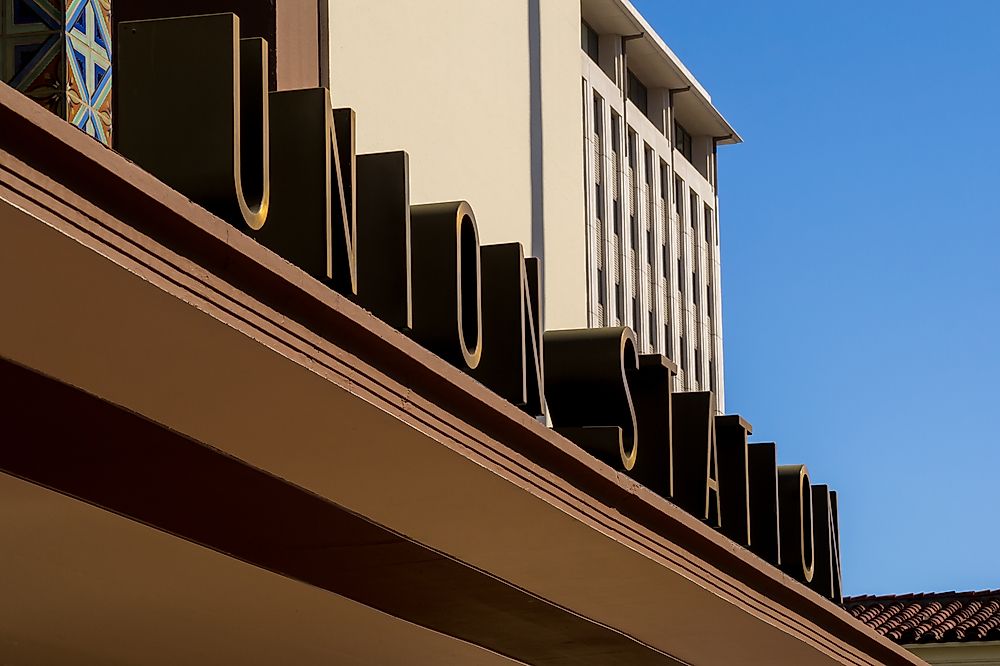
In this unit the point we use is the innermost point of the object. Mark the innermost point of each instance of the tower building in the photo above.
(627, 226)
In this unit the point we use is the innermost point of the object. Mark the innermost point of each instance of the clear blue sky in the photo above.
(861, 231)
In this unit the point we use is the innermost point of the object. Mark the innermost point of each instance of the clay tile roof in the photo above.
(944, 617)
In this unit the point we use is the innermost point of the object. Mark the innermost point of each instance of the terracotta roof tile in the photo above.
(944, 617)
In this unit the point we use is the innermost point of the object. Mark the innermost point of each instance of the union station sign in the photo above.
(282, 167)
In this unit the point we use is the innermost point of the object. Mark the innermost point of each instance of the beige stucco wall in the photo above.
(953, 654)
(563, 173)
(450, 81)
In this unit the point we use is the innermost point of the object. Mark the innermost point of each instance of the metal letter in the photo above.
(696, 458)
(734, 477)
(447, 315)
(587, 375)
(765, 535)
(511, 363)
(827, 559)
(385, 264)
(192, 110)
(795, 497)
(345, 210)
(838, 592)
(651, 390)
(311, 218)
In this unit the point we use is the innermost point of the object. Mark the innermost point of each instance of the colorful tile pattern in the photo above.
(31, 53)
(59, 54)
(88, 63)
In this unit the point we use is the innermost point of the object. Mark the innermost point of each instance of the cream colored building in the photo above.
(954, 654)
(570, 127)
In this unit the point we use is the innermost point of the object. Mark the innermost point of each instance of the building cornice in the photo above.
(628, 20)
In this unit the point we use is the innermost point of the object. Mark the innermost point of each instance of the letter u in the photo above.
(192, 110)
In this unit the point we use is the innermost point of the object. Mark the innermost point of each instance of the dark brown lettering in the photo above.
(385, 263)
(797, 544)
(219, 156)
(731, 434)
(696, 458)
(651, 389)
(447, 314)
(587, 376)
(765, 535)
(826, 543)
(311, 220)
(511, 362)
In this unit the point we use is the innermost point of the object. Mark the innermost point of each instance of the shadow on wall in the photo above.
(537, 157)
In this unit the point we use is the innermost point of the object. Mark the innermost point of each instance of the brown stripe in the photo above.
(79, 445)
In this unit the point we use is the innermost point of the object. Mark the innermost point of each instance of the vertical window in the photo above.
(616, 139)
(694, 287)
(599, 179)
(665, 215)
(693, 210)
(630, 150)
(667, 341)
(697, 365)
(633, 209)
(711, 376)
(638, 94)
(589, 41)
(652, 331)
(678, 196)
(683, 351)
(633, 223)
(616, 216)
(600, 185)
(682, 142)
(708, 224)
(598, 115)
(664, 184)
(680, 276)
(650, 216)
(710, 300)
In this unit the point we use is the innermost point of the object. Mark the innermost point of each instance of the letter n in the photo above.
(826, 580)
(312, 217)
(385, 259)
(511, 362)
(838, 590)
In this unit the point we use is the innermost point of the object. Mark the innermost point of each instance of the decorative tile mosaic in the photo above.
(31, 52)
(88, 63)
(59, 54)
